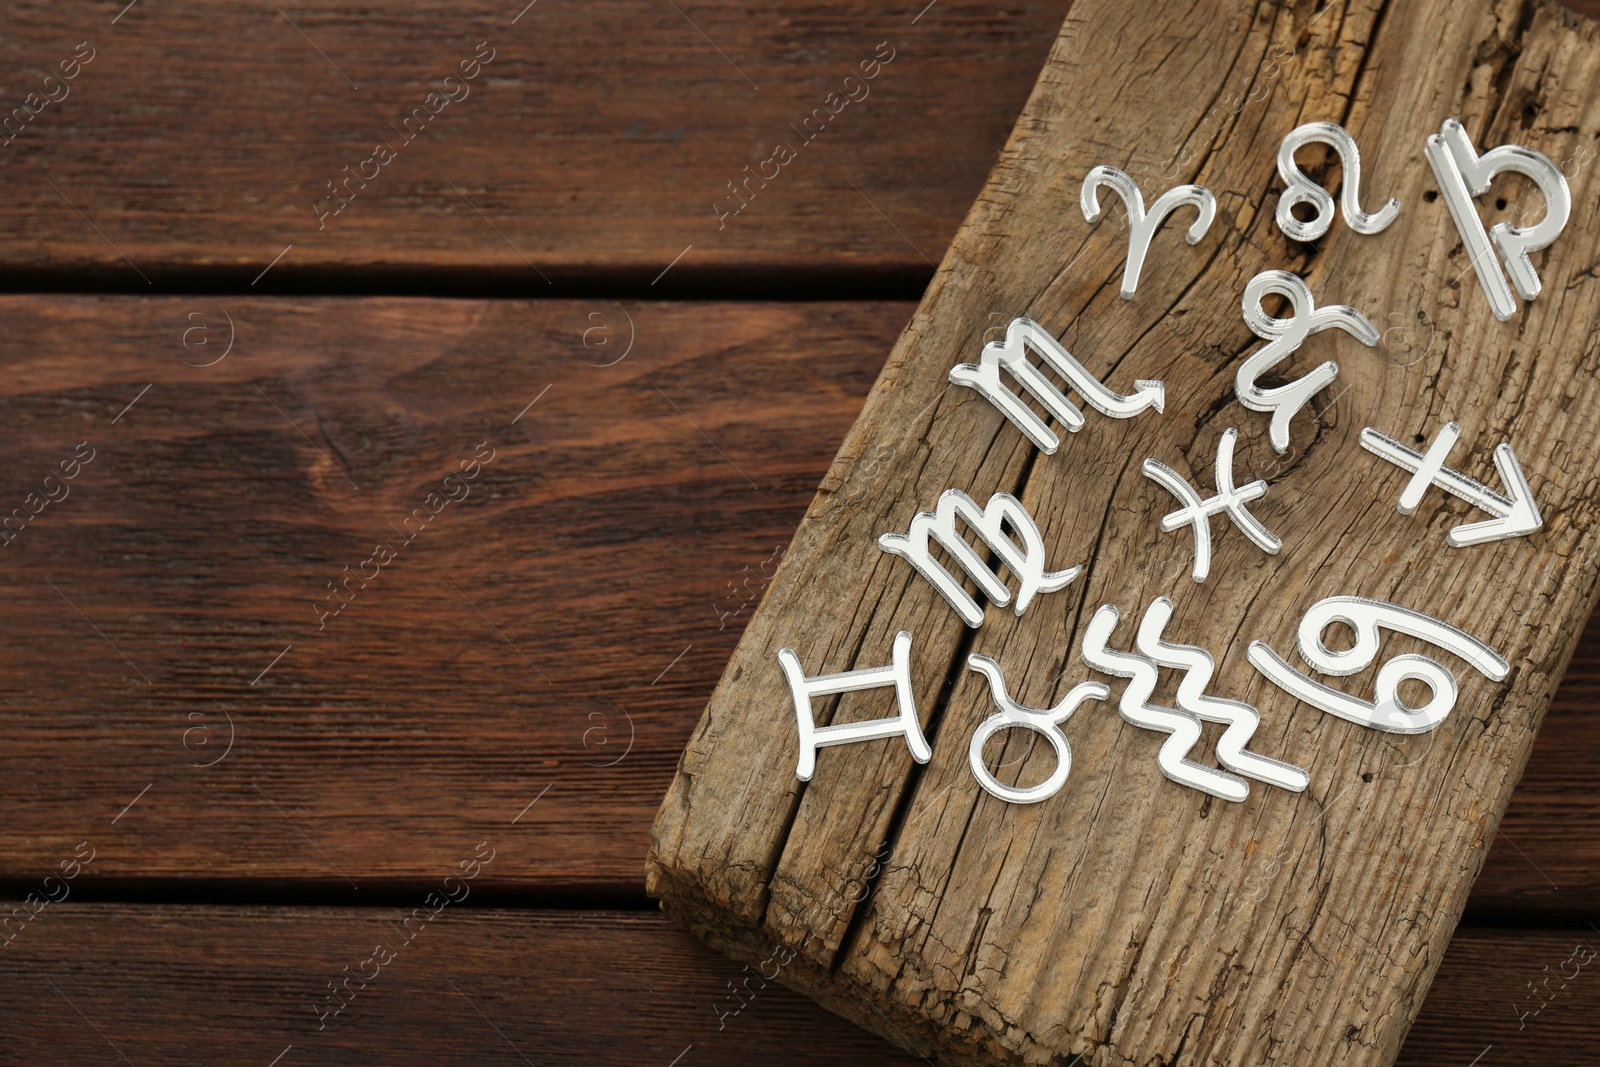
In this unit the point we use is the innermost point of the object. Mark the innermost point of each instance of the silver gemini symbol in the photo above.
(1183, 724)
(1387, 712)
(813, 737)
(1197, 513)
(1011, 356)
(1026, 561)
(1302, 190)
(1284, 337)
(1045, 722)
(1514, 515)
(1142, 227)
(1463, 175)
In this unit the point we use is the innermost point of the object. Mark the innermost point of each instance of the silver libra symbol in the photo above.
(813, 737)
(1302, 190)
(1194, 707)
(1198, 513)
(1287, 335)
(1142, 227)
(1011, 356)
(1514, 515)
(1025, 561)
(1045, 722)
(1387, 712)
(1463, 175)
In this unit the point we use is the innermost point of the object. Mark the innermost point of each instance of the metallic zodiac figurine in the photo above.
(1046, 722)
(1514, 515)
(1026, 561)
(1011, 356)
(1284, 337)
(1387, 712)
(1463, 174)
(1302, 190)
(813, 737)
(1183, 723)
(1142, 227)
(1198, 513)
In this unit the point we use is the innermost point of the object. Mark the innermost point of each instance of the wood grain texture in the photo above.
(1118, 922)
(486, 987)
(390, 387)
(592, 145)
(578, 600)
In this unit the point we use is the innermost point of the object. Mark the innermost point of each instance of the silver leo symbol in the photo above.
(1142, 227)
(1284, 336)
(1198, 513)
(1025, 561)
(1462, 175)
(1302, 190)
(813, 737)
(1011, 356)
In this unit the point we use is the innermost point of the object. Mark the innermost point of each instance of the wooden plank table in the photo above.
(270, 788)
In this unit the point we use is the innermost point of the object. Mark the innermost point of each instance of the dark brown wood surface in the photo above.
(592, 146)
(606, 537)
(242, 985)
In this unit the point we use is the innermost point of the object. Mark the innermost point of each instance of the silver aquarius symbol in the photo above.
(1183, 724)
(1142, 227)
(1025, 561)
(1514, 515)
(1463, 174)
(1044, 722)
(1198, 513)
(1285, 336)
(1011, 356)
(813, 737)
(1387, 712)
(1302, 190)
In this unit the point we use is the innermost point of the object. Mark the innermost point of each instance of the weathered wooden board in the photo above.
(591, 147)
(81, 744)
(1129, 919)
(177, 984)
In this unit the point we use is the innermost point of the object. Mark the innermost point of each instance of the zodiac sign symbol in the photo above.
(1197, 512)
(198, 737)
(1011, 355)
(1194, 707)
(1302, 190)
(1514, 515)
(1026, 562)
(601, 729)
(1387, 712)
(813, 737)
(1142, 227)
(604, 330)
(1285, 336)
(1462, 175)
(1012, 714)
(194, 344)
